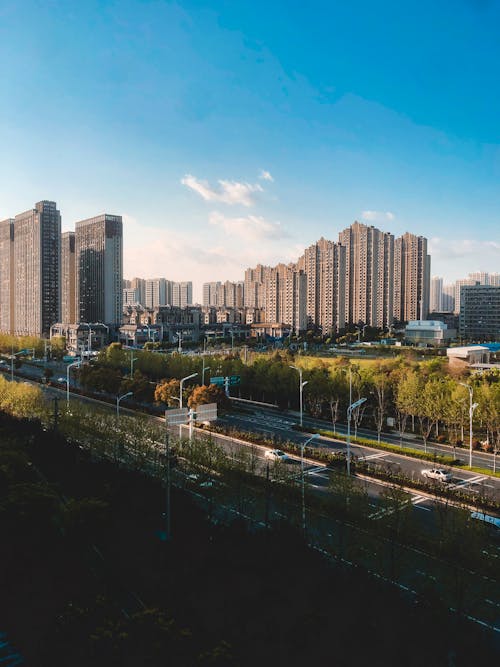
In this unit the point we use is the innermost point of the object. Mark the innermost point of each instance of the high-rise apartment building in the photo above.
(68, 277)
(495, 279)
(324, 266)
(7, 276)
(412, 267)
(139, 284)
(37, 269)
(436, 295)
(182, 294)
(458, 289)
(481, 277)
(157, 292)
(448, 299)
(479, 312)
(99, 269)
(369, 274)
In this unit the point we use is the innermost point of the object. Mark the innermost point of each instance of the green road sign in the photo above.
(217, 381)
(234, 379)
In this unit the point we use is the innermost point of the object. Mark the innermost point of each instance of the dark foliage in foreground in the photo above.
(85, 580)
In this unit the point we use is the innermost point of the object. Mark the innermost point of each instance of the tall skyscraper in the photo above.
(495, 279)
(68, 276)
(37, 267)
(412, 267)
(436, 297)
(324, 266)
(99, 269)
(182, 294)
(157, 292)
(458, 287)
(139, 284)
(7, 276)
(369, 274)
(448, 298)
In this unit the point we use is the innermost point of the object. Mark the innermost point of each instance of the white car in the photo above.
(276, 455)
(438, 474)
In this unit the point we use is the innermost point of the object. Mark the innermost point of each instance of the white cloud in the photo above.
(221, 252)
(250, 227)
(455, 258)
(228, 192)
(266, 176)
(377, 216)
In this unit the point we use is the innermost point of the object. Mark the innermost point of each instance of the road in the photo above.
(479, 459)
(281, 426)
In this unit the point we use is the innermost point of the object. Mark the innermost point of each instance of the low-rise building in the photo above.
(428, 332)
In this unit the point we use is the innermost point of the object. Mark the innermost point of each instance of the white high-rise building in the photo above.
(182, 294)
(157, 292)
(412, 268)
(436, 298)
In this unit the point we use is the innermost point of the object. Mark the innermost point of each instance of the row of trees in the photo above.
(419, 396)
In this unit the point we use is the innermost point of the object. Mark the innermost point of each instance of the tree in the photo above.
(167, 391)
(201, 395)
(381, 386)
(406, 400)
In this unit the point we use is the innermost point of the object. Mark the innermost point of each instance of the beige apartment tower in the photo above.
(412, 269)
(99, 269)
(369, 275)
(37, 269)
(7, 276)
(68, 278)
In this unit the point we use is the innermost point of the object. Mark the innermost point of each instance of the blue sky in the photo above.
(231, 132)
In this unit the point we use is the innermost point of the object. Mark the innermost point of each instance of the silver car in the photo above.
(437, 474)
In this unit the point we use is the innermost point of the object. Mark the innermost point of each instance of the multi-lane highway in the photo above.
(281, 426)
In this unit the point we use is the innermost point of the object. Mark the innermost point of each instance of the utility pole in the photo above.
(56, 412)
(268, 497)
(167, 480)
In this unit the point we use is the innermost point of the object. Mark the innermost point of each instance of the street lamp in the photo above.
(193, 375)
(77, 364)
(351, 407)
(14, 354)
(132, 359)
(301, 389)
(204, 370)
(120, 398)
(472, 407)
(302, 447)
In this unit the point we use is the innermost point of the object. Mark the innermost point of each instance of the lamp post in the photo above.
(188, 377)
(351, 407)
(14, 354)
(301, 389)
(472, 407)
(118, 399)
(77, 364)
(203, 371)
(302, 447)
(132, 359)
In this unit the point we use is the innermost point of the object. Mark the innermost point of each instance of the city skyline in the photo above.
(222, 144)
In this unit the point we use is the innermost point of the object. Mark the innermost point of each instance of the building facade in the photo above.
(412, 267)
(369, 272)
(37, 270)
(479, 318)
(99, 269)
(7, 276)
(68, 276)
(182, 294)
